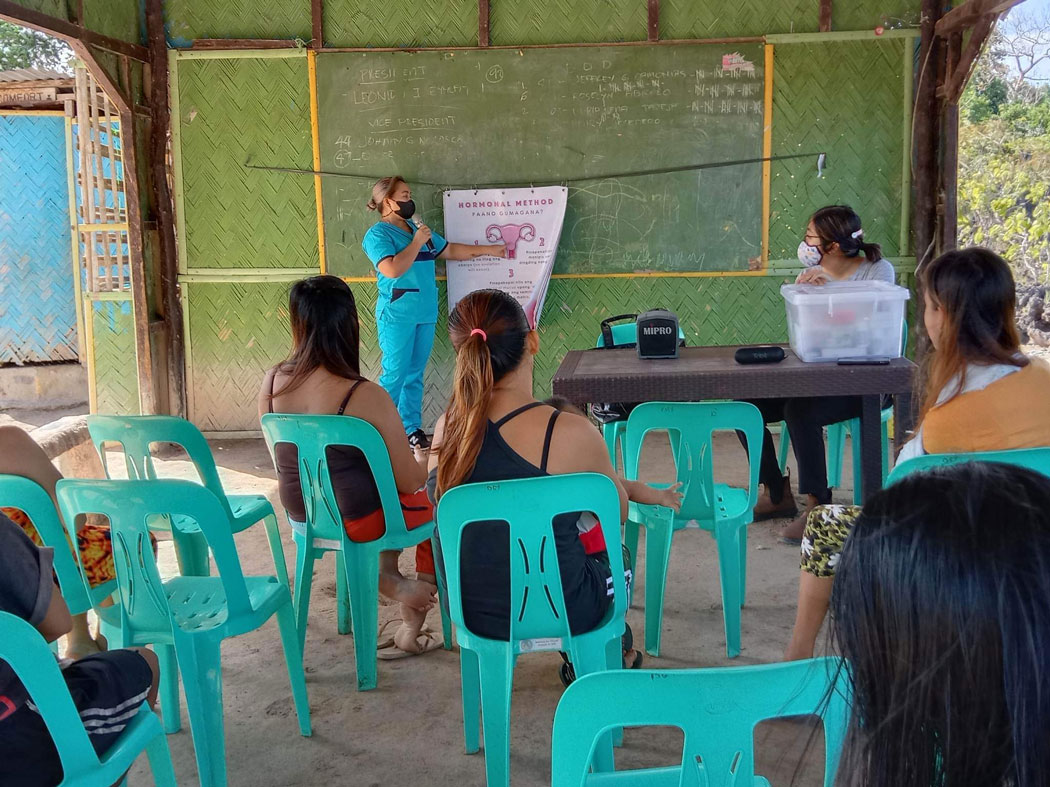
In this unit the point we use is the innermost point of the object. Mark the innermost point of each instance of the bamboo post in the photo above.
(116, 216)
(87, 197)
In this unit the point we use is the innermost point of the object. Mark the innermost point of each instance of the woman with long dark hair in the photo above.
(495, 430)
(980, 394)
(322, 376)
(942, 609)
(833, 249)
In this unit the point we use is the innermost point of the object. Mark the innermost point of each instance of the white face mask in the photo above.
(809, 255)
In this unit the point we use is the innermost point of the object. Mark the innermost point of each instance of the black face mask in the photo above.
(406, 209)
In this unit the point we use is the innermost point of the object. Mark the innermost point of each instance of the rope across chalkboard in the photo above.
(822, 160)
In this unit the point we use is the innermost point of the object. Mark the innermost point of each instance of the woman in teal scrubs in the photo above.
(403, 251)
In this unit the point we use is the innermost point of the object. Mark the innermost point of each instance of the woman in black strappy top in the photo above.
(495, 430)
(322, 376)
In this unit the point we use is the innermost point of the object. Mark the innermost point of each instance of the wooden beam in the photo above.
(244, 43)
(825, 16)
(654, 20)
(484, 33)
(160, 125)
(926, 137)
(140, 306)
(959, 74)
(950, 154)
(317, 23)
(13, 12)
(966, 15)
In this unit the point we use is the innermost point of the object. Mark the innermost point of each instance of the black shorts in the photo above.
(107, 689)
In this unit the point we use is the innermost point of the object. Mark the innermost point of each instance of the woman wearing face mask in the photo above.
(402, 250)
(833, 249)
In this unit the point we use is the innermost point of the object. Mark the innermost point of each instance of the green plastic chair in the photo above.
(1037, 459)
(187, 618)
(136, 433)
(723, 510)
(717, 710)
(34, 501)
(837, 445)
(357, 563)
(622, 335)
(538, 621)
(22, 647)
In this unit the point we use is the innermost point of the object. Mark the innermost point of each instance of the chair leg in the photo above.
(273, 535)
(497, 676)
(785, 446)
(658, 536)
(443, 604)
(885, 451)
(728, 542)
(362, 576)
(200, 663)
(342, 597)
(742, 540)
(191, 553)
(160, 762)
(169, 688)
(470, 682)
(858, 476)
(836, 454)
(591, 656)
(304, 579)
(293, 659)
(609, 432)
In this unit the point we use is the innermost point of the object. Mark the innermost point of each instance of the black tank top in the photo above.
(485, 551)
(355, 487)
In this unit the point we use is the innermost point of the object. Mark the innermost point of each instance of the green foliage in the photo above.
(1004, 169)
(24, 48)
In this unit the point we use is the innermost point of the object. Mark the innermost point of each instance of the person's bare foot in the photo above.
(410, 592)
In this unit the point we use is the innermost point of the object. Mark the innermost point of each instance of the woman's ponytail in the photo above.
(872, 251)
(488, 330)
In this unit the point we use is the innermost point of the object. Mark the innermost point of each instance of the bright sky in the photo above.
(1040, 9)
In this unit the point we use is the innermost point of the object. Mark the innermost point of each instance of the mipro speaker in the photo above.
(658, 334)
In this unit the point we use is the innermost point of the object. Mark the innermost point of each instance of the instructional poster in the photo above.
(527, 220)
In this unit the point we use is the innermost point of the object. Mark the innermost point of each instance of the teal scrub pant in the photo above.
(406, 349)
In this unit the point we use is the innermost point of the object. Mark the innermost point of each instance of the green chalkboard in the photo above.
(457, 119)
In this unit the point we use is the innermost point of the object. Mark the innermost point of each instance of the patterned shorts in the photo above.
(96, 547)
(826, 531)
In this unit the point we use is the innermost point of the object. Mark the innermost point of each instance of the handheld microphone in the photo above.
(430, 243)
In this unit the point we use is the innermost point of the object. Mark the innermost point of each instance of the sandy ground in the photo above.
(409, 729)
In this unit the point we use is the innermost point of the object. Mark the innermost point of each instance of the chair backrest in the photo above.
(1037, 459)
(129, 505)
(691, 427)
(528, 506)
(717, 709)
(28, 654)
(31, 498)
(312, 435)
(627, 333)
(136, 433)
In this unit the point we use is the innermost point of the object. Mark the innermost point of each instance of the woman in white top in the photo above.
(833, 249)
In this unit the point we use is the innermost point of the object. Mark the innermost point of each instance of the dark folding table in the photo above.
(701, 373)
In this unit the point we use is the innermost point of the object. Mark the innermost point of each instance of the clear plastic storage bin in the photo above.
(847, 319)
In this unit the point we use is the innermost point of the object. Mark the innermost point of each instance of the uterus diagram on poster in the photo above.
(528, 221)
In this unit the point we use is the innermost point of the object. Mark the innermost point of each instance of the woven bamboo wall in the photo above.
(115, 382)
(352, 23)
(246, 235)
(38, 318)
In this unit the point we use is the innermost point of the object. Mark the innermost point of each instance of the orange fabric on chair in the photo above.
(418, 510)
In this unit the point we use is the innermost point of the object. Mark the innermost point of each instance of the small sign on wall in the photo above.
(27, 96)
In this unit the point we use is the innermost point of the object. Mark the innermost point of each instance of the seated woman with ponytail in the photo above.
(495, 430)
(981, 394)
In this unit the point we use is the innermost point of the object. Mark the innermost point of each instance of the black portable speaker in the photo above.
(658, 334)
(749, 355)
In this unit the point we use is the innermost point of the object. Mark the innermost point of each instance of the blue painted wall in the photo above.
(37, 309)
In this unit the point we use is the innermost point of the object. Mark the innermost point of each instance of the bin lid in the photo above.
(849, 290)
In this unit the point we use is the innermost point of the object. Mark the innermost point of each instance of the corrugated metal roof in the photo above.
(32, 75)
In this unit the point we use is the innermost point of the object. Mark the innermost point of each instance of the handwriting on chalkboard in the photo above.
(544, 116)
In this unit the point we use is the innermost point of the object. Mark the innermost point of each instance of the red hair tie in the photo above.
(484, 336)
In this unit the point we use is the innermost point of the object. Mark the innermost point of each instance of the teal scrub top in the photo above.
(412, 297)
